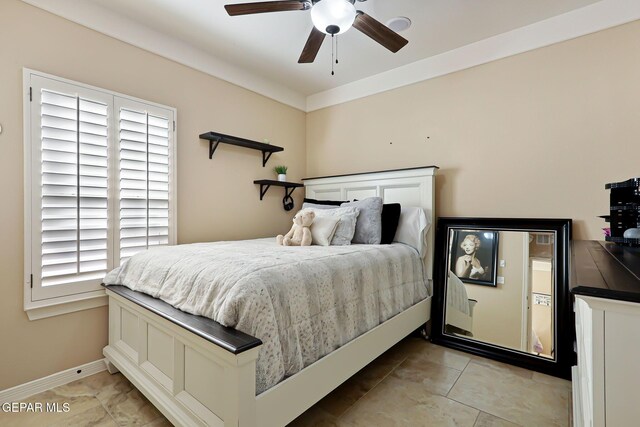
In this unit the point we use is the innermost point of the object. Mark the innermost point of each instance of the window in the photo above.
(143, 166)
(543, 239)
(99, 176)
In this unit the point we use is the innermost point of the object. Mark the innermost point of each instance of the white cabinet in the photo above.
(606, 380)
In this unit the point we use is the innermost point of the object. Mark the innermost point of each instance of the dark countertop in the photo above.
(228, 338)
(605, 270)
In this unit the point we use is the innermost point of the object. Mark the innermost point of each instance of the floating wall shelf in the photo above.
(289, 187)
(216, 138)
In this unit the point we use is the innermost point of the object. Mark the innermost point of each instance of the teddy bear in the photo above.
(300, 234)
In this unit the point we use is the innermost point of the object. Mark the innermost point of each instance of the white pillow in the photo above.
(412, 229)
(323, 229)
(347, 218)
(307, 205)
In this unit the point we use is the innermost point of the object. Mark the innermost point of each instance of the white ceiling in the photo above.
(271, 43)
(260, 52)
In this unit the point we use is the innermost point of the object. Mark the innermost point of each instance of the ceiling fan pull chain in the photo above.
(333, 51)
(336, 49)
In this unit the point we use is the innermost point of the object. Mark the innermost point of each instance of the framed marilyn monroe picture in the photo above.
(474, 256)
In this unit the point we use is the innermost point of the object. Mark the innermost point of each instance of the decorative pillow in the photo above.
(325, 202)
(307, 205)
(412, 229)
(347, 218)
(390, 218)
(323, 229)
(369, 225)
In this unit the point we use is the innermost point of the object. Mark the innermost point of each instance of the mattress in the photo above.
(302, 302)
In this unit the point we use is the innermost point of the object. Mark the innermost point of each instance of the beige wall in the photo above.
(217, 198)
(497, 317)
(533, 135)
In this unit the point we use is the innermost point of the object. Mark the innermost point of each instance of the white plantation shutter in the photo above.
(145, 164)
(99, 184)
(70, 201)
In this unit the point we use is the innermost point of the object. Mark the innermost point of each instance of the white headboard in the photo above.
(409, 187)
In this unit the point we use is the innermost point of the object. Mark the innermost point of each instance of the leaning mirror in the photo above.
(502, 290)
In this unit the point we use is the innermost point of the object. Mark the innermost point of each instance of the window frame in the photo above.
(54, 304)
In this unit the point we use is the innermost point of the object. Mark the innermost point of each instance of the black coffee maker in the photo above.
(624, 215)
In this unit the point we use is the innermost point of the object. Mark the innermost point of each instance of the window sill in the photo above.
(57, 306)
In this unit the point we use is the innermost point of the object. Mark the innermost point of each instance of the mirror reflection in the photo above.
(500, 288)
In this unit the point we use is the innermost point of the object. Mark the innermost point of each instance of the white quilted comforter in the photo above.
(457, 294)
(303, 303)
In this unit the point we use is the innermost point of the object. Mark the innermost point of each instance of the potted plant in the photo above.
(282, 173)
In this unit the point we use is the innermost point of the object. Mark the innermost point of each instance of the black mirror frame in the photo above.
(565, 355)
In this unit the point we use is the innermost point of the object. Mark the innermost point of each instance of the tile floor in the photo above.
(415, 383)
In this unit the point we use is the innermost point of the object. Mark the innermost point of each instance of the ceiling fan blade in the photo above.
(265, 7)
(379, 32)
(312, 47)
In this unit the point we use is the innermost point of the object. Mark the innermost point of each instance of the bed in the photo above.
(198, 372)
(459, 311)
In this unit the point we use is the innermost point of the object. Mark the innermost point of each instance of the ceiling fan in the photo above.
(330, 17)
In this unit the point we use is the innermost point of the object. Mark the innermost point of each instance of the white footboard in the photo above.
(191, 380)
(196, 382)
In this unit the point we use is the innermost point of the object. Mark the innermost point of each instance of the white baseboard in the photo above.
(22, 391)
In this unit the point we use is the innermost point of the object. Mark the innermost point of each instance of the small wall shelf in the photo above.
(289, 187)
(216, 138)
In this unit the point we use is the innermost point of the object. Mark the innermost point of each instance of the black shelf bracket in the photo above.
(265, 157)
(289, 187)
(288, 191)
(263, 190)
(213, 144)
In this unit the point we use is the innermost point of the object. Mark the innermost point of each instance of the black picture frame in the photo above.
(564, 318)
(485, 252)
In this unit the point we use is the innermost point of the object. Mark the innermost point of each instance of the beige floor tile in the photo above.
(507, 395)
(78, 397)
(342, 398)
(488, 420)
(107, 386)
(159, 422)
(547, 379)
(131, 408)
(409, 345)
(31, 419)
(397, 402)
(406, 386)
(94, 417)
(524, 373)
(99, 381)
(433, 377)
(314, 417)
(442, 355)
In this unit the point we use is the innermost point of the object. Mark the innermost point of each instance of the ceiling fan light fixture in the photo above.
(333, 16)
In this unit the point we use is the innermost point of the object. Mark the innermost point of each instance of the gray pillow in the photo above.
(369, 225)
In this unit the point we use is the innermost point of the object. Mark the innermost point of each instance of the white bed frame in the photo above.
(195, 382)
